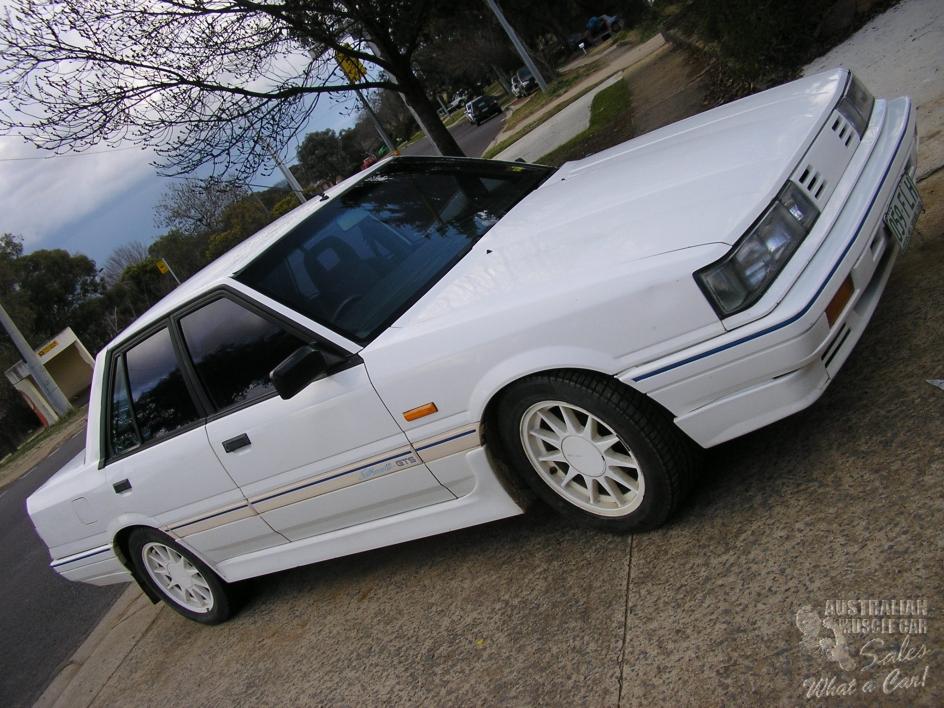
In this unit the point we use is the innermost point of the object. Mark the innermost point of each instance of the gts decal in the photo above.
(383, 468)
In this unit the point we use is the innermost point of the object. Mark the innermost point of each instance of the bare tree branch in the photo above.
(198, 81)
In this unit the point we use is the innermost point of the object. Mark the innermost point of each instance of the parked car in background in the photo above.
(523, 82)
(602, 27)
(405, 356)
(481, 108)
(458, 101)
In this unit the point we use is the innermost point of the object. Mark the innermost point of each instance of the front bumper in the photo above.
(781, 363)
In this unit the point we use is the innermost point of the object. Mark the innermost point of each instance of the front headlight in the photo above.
(738, 280)
(856, 105)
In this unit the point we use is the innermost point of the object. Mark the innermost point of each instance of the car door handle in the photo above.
(122, 485)
(234, 444)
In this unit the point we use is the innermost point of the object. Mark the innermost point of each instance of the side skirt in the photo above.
(488, 501)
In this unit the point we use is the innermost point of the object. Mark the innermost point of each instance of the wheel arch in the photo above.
(120, 540)
(488, 419)
(120, 547)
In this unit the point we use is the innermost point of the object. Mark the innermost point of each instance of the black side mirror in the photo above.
(299, 369)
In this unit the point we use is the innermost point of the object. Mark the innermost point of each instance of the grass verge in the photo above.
(557, 88)
(610, 124)
(517, 135)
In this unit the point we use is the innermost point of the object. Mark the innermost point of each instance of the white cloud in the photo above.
(41, 193)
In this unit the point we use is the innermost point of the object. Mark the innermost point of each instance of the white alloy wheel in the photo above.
(178, 578)
(582, 459)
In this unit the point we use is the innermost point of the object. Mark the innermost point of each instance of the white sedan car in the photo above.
(435, 337)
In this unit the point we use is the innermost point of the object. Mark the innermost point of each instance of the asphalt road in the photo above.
(473, 139)
(43, 617)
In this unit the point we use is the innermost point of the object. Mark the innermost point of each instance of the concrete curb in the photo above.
(83, 677)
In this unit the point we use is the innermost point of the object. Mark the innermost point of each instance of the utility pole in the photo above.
(290, 178)
(43, 380)
(519, 45)
(355, 70)
(376, 121)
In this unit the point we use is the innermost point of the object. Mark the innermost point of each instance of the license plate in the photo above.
(903, 211)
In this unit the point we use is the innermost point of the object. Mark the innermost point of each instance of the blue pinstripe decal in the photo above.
(211, 516)
(806, 309)
(328, 479)
(445, 440)
(85, 554)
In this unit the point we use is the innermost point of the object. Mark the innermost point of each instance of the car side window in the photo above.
(160, 400)
(233, 350)
(124, 435)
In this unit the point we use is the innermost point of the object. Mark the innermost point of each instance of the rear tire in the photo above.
(182, 580)
(594, 450)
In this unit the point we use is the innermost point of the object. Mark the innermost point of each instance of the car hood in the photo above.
(703, 180)
(698, 183)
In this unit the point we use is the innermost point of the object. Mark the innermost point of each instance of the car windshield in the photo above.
(359, 262)
(479, 103)
(524, 74)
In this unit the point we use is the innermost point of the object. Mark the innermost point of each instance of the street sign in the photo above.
(353, 68)
(162, 266)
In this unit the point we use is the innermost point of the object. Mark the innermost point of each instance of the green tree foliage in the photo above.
(323, 157)
(186, 253)
(44, 292)
(241, 220)
(54, 283)
(284, 206)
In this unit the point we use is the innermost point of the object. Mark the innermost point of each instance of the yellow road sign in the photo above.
(353, 68)
(162, 266)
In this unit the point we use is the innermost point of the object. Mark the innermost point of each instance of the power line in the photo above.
(68, 154)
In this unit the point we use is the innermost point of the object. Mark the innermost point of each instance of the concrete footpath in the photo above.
(568, 123)
(100, 656)
(617, 62)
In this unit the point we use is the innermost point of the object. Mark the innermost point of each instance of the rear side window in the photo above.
(234, 349)
(124, 435)
(149, 396)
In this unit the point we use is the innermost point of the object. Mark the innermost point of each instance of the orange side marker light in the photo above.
(838, 303)
(421, 411)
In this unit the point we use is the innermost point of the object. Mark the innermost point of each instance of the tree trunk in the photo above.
(428, 116)
(411, 88)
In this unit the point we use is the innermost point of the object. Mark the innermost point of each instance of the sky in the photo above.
(92, 202)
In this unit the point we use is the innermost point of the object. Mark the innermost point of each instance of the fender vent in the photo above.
(826, 160)
(813, 182)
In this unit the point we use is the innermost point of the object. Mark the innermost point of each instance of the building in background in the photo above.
(68, 363)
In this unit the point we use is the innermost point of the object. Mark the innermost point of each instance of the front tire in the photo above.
(594, 450)
(182, 580)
